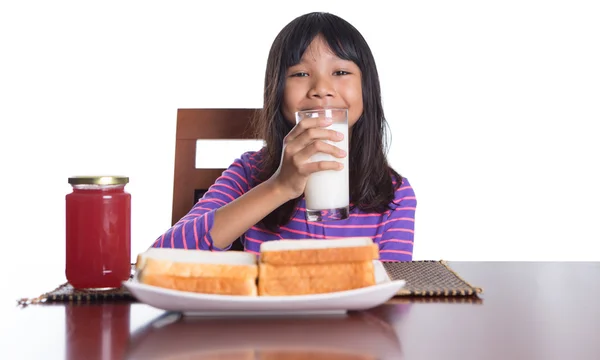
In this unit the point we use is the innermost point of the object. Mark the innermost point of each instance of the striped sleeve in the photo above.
(396, 242)
(193, 230)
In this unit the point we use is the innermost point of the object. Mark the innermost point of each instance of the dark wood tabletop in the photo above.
(528, 310)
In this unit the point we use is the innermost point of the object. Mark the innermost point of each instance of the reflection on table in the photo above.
(101, 331)
(104, 332)
(355, 336)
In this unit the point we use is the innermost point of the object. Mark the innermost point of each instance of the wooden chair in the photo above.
(189, 183)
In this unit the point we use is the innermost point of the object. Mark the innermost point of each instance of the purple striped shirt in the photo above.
(392, 230)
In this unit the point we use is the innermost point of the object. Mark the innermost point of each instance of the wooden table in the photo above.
(527, 311)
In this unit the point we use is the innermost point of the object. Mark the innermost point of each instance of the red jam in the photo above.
(98, 232)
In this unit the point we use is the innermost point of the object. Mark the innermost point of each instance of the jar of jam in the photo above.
(98, 232)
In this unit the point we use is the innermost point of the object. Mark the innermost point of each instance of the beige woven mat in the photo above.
(423, 278)
(429, 278)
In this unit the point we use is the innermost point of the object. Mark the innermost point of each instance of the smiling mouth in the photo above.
(315, 108)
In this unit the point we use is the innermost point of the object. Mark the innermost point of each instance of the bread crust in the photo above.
(197, 270)
(336, 270)
(220, 286)
(321, 256)
(139, 262)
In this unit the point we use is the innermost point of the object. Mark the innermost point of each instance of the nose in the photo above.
(321, 88)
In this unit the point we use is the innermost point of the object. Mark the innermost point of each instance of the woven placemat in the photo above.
(429, 278)
(67, 293)
(423, 278)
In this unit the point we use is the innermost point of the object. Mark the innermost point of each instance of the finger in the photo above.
(306, 124)
(317, 166)
(311, 135)
(318, 146)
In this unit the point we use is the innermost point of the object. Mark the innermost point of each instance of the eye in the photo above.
(341, 72)
(299, 74)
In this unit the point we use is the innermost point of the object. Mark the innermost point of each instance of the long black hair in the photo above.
(371, 185)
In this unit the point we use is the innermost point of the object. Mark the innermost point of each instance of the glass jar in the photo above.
(98, 232)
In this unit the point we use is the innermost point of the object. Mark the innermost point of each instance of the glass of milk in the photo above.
(327, 192)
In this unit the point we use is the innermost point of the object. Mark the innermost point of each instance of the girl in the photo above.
(318, 60)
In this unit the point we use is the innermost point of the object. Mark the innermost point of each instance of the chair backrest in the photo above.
(189, 183)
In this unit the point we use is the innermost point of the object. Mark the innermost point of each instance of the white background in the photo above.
(493, 107)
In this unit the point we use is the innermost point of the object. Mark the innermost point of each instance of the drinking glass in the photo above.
(327, 192)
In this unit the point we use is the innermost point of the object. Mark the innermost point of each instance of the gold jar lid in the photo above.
(98, 180)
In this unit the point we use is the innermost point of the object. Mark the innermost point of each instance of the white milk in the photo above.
(330, 189)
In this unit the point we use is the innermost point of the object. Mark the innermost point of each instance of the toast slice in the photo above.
(305, 252)
(196, 256)
(226, 273)
(316, 285)
(226, 269)
(335, 270)
(303, 267)
(217, 286)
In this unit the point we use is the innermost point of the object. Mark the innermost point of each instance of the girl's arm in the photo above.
(396, 244)
(227, 210)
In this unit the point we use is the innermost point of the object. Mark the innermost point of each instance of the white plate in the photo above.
(218, 305)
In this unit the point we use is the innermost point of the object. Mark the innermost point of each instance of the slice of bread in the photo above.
(197, 256)
(226, 273)
(304, 267)
(316, 285)
(334, 270)
(304, 252)
(220, 286)
(175, 268)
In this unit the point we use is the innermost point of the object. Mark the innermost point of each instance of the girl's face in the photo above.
(322, 79)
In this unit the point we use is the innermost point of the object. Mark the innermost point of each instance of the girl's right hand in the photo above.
(302, 142)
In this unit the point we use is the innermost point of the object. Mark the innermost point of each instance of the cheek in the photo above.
(353, 116)
(289, 105)
(356, 106)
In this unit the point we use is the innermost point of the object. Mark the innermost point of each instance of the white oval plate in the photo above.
(195, 304)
